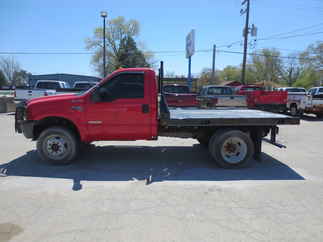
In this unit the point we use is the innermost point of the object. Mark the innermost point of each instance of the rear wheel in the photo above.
(57, 145)
(231, 148)
(294, 110)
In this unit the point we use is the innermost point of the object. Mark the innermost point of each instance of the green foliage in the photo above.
(9, 66)
(266, 65)
(3, 80)
(120, 34)
(307, 79)
(312, 57)
(230, 73)
(206, 78)
(129, 55)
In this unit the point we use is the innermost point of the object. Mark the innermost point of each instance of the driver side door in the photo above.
(122, 111)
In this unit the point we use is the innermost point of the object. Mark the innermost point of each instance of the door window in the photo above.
(123, 86)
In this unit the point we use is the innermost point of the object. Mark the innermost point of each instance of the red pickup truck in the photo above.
(126, 105)
(179, 96)
(257, 98)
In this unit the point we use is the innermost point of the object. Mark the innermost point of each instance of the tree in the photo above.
(206, 77)
(118, 32)
(8, 66)
(312, 61)
(267, 65)
(3, 80)
(291, 70)
(21, 77)
(230, 73)
(313, 56)
(307, 78)
(129, 55)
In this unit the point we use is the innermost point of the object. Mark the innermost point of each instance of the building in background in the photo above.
(69, 78)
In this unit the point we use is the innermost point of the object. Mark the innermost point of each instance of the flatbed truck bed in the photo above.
(227, 116)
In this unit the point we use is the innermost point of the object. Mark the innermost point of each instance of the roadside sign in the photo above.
(190, 43)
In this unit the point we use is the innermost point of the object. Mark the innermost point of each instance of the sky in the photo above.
(63, 26)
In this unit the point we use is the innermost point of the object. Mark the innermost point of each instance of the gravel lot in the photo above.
(104, 196)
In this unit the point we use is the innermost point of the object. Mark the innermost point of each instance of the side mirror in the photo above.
(103, 93)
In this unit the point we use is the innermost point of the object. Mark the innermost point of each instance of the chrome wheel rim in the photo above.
(56, 147)
(234, 150)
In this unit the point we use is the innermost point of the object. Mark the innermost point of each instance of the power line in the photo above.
(170, 52)
(275, 36)
(294, 31)
(291, 36)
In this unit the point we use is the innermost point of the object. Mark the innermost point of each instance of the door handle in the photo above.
(145, 108)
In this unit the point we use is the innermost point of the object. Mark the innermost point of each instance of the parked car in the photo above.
(296, 99)
(83, 85)
(258, 98)
(41, 88)
(220, 96)
(179, 96)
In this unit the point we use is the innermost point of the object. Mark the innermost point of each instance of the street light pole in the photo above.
(104, 14)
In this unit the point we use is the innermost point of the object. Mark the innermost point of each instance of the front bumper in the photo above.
(22, 125)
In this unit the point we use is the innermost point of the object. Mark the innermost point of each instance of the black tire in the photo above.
(245, 148)
(294, 111)
(60, 139)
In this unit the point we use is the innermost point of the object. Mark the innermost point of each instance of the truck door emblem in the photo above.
(95, 122)
(77, 108)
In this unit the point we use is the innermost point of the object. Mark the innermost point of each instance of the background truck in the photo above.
(42, 88)
(83, 85)
(127, 106)
(220, 96)
(258, 98)
(296, 99)
(314, 102)
(179, 96)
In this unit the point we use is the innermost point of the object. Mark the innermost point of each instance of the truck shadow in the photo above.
(125, 163)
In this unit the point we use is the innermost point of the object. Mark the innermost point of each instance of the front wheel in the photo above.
(57, 145)
(231, 148)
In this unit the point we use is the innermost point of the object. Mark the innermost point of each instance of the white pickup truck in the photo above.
(300, 101)
(41, 88)
(314, 101)
(296, 100)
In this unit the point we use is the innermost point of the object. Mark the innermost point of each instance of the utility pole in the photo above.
(213, 63)
(245, 45)
(104, 14)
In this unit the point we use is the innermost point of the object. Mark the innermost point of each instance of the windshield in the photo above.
(176, 89)
(220, 91)
(250, 89)
(295, 90)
